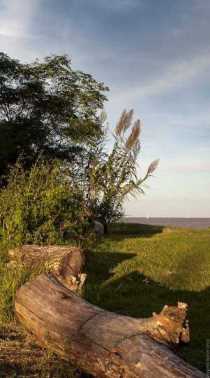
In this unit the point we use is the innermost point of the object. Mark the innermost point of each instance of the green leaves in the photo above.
(36, 202)
(46, 107)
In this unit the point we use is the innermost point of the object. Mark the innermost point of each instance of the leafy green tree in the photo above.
(46, 108)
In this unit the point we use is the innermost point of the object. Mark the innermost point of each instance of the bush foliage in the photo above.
(39, 204)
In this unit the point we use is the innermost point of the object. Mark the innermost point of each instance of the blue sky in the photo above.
(155, 57)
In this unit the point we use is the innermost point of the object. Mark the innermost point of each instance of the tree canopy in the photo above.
(46, 108)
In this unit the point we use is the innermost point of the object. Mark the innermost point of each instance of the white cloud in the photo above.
(176, 75)
(15, 17)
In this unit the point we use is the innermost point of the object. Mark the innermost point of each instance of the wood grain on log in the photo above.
(66, 262)
(103, 343)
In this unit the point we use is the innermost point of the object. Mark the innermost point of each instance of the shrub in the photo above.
(38, 205)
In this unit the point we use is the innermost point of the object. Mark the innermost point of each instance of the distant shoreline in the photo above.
(196, 223)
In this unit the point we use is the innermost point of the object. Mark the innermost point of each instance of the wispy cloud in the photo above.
(15, 17)
(18, 38)
(176, 75)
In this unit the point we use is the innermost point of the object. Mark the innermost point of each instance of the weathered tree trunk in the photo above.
(66, 262)
(100, 342)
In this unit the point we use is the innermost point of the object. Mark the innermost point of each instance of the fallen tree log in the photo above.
(66, 262)
(103, 343)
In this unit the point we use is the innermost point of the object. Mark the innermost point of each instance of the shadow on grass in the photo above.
(134, 229)
(133, 294)
(100, 265)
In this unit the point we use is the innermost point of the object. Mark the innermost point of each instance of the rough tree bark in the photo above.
(103, 343)
(66, 262)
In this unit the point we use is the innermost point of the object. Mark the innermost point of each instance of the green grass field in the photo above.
(137, 269)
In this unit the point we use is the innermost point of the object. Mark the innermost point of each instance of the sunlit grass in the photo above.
(138, 269)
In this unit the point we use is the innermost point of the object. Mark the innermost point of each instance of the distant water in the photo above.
(197, 223)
